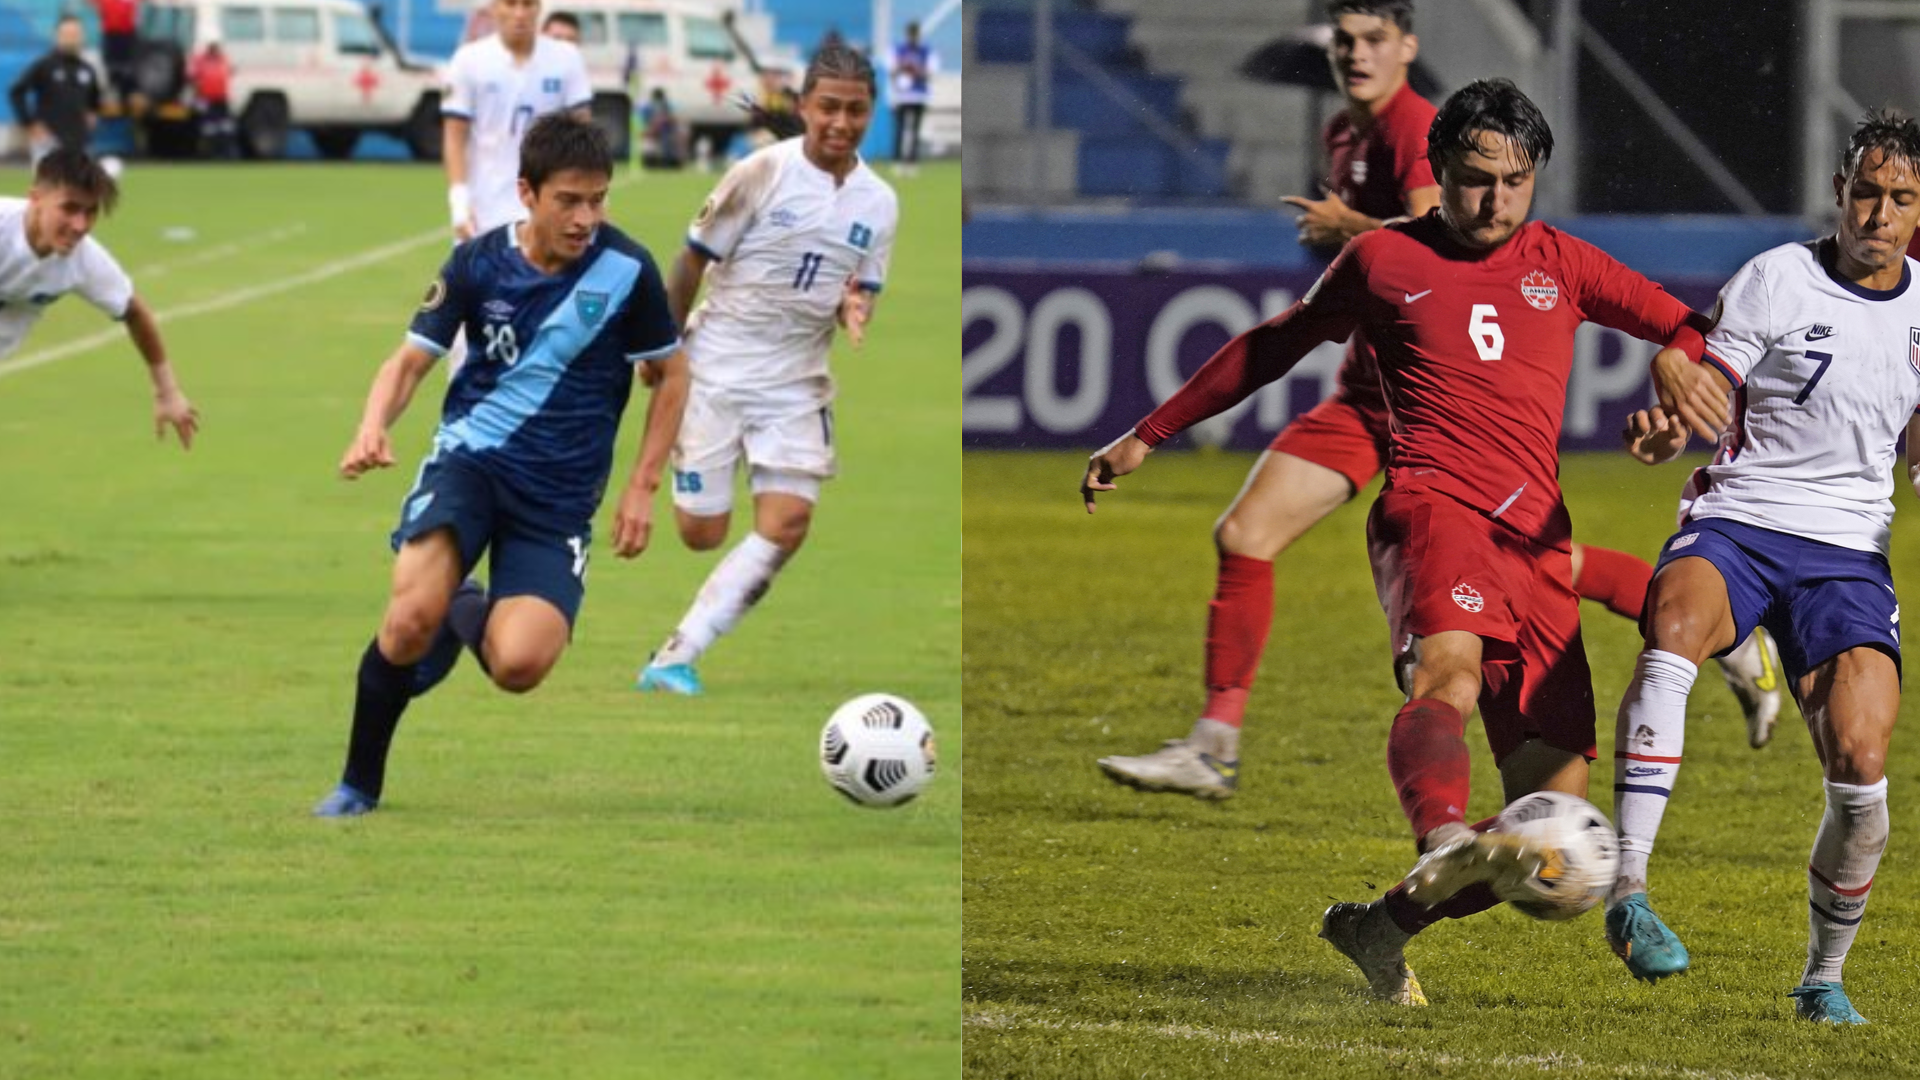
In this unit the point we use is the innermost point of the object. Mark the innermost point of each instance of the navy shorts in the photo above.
(534, 552)
(1817, 600)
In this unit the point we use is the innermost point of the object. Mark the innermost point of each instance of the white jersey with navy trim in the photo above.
(501, 97)
(30, 284)
(1826, 376)
(786, 239)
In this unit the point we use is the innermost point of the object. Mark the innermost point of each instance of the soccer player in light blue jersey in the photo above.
(565, 309)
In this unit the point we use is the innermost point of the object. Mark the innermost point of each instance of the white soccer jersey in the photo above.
(1827, 375)
(500, 99)
(786, 239)
(29, 284)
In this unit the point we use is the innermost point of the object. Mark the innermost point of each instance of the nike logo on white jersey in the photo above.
(1820, 332)
(1412, 296)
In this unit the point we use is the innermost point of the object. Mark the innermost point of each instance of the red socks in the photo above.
(1616, 579)
(1237, 623)
(1427, 759)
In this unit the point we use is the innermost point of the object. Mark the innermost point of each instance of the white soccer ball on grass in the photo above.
(1583, 854)
(877, 750)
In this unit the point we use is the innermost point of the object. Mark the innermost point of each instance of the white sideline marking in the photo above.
(232, 247)
(1003, 1019)
(225, 300)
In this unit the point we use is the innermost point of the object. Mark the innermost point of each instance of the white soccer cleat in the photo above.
(1365, 935)
(1178, 766)
(1505, 861)
(1753, 674)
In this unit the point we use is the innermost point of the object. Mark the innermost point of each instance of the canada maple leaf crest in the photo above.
(1540, 290)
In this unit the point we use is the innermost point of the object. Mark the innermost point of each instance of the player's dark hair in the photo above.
(564, 18)
(1890, 132)
(557, 142)
(68, 167)
(1397, 12)
(1488, 106)
(838, 60)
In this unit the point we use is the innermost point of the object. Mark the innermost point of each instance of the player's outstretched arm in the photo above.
(1654, 437)
(1329, 221)
(393, 388)
(171, 409)
(633, 521)
(1695, 394)
(1118, 458)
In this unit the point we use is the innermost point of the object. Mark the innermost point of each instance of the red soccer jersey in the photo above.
(1474, 350)
(1373, 171)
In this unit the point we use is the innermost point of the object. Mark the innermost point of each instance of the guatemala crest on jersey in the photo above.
(860, 236)
(590, 305)
(1540, 290)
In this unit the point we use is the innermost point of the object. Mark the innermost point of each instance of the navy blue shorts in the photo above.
(534, 552)
(1817, 600)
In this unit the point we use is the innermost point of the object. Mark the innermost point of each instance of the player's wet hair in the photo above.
(1488, 105)
(1890, 132)
(67, 167)
(838, 60)
(557, 142)
(1397, 12)
(564, 18)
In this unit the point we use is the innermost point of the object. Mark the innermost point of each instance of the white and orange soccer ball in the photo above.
(1583, 854)
(878, 750)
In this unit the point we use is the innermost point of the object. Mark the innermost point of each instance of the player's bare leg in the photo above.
(425, 573)
(1851, 702)
(525, 636)
(1284, 496)
(1689, 619)
(781, 519)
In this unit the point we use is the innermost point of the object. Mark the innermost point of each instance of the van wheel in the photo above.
(613, 114)
(263, 127)
(423, 133)
(336, 144)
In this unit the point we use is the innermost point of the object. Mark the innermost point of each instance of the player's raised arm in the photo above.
(171, 409)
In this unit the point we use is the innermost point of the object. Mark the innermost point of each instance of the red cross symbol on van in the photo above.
(717, 83)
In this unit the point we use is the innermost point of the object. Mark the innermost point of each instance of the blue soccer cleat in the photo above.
(1637, 936)
(434, 667)
(673, 678)
(1825, 1003)
(345, 801)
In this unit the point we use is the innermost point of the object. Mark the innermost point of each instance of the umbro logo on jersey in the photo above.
(860, 236)
(1540, 290)
(1820, 332)
(783, 218)
(498, 309)
(1468, 597)
(1412, 296)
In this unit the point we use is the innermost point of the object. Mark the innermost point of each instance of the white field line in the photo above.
(226, 300)
(1004, 1019)
(220, 251)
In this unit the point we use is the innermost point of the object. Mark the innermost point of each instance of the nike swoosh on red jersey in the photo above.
(1412, 296)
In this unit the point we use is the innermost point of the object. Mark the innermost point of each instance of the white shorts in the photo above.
(786, 437)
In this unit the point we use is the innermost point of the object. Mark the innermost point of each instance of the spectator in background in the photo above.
(914, 63)
(57, 99)
(119, 34)
(211, 74)
(563, 26)
(665, 138)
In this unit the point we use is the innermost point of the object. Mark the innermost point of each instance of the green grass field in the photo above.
(585, 882)
(1114, 934)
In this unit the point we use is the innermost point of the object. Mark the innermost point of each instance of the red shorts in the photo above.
(1440, 565)
(1340, 434)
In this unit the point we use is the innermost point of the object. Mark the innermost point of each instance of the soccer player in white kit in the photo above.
(1820, 344)
(46, 252)
(795, 238)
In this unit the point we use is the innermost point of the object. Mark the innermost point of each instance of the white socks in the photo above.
(1648, 736)
(738, 583)
(1846, 851)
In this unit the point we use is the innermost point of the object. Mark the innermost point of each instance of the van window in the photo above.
(708, 40)
(643, 28)
(173, 24)
(593, 28)
(242, 26)
(296, 26)
(353, 34)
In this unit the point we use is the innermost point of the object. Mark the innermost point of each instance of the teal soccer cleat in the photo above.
(1825, 1003)
(1637, 936)
(345, 801)
(673, 678)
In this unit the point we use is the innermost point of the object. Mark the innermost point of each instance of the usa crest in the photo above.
(590, 305)
(1540, 290)
(1913, 347)
(860, 236)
